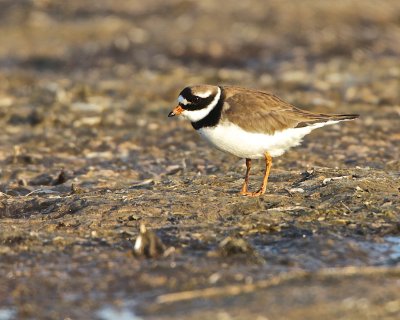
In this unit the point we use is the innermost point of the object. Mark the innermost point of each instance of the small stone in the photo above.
(148, 244)
(232, 245)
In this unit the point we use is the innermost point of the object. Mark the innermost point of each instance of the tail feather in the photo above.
(341, 117)
(325, 118)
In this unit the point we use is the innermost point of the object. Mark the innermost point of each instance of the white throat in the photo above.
(197, 115)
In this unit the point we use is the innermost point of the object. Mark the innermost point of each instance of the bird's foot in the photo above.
(252, 194)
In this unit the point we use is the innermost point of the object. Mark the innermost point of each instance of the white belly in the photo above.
(231, 138)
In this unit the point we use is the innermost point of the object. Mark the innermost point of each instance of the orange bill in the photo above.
(176, 112)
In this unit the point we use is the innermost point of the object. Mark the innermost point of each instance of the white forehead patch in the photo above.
(204, 94)
(182, 100)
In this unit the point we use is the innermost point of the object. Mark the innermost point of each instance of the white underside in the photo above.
(231, 138)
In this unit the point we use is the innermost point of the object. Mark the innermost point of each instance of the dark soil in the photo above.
(88, 156)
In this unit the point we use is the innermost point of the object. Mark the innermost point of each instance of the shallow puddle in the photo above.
(384, 253)
(314, 252)
(125, 312)
(7, 314)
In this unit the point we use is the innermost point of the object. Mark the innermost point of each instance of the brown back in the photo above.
(261, 112)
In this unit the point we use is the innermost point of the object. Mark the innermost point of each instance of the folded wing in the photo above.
(261, 112)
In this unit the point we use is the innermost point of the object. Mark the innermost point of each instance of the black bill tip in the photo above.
(171, 114)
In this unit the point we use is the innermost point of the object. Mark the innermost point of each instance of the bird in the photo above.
(249, 123)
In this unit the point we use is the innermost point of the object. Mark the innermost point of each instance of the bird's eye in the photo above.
(196, 99)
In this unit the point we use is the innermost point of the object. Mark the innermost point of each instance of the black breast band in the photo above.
(212, 119)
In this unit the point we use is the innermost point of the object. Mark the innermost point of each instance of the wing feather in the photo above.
(261, 112)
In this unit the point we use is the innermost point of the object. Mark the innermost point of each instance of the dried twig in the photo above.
(232, 290)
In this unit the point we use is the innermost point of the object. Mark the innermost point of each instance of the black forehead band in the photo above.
(201, 104)
(193, 103)
(187, 94)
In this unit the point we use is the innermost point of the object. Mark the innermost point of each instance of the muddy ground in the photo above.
(88, 154)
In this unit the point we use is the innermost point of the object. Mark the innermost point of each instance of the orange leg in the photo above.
(268, 165)
(246, 178)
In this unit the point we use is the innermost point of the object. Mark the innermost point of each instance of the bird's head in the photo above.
(196, 102)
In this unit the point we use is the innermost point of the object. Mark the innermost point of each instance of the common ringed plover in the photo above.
(248, 123)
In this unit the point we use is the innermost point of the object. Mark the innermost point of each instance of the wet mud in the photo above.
(111, 210)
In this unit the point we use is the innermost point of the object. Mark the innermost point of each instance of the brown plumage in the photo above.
(261, 112)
